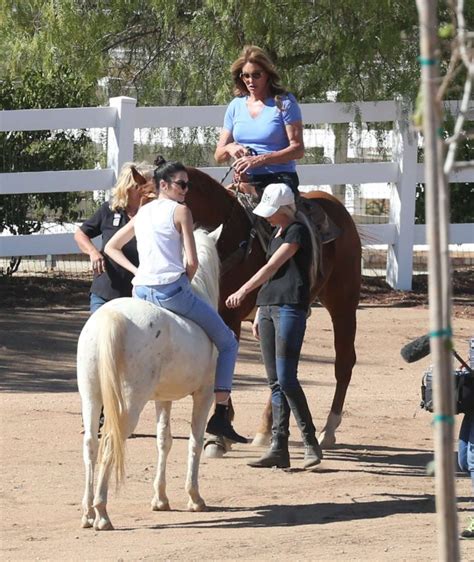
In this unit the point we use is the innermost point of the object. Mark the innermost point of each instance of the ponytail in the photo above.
(166, 170)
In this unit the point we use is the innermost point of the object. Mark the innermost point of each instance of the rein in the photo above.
(244, 249)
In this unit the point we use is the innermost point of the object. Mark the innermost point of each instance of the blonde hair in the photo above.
(291, 212)
(255, 55)
(125, 182)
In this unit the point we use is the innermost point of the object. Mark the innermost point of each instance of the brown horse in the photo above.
(338, 288)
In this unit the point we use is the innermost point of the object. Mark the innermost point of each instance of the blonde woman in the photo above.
(110, 279)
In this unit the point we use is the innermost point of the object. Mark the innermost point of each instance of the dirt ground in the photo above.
(372, 498)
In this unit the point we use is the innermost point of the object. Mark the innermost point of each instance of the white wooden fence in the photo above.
(122, 117)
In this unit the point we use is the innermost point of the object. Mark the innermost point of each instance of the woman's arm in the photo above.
(294, 151)
(86, 246)
(114, 246)
(183, 220)
(227, 148)
(282, 255)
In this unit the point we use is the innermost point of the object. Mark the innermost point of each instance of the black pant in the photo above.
(260, 181)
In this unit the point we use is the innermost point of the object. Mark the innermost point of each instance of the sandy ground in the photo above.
(371, 499)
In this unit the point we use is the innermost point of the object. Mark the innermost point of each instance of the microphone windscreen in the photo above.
(415, 350)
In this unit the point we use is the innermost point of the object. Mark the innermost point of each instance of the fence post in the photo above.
(120, 138)
(402, 201)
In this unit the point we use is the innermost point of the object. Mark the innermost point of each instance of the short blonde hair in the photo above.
(125, 182)
(255, 55)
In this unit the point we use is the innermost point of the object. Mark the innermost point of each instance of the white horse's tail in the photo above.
(110, 359)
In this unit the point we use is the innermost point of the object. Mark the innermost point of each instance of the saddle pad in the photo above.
(323, 224)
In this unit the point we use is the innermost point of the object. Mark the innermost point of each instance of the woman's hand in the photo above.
(97, 262)
(235, 300)
(244, 163)
(235, 150)
(255, 331)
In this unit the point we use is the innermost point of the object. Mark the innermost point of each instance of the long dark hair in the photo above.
(166, 170)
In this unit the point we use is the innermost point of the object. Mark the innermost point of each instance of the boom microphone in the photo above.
(416, 350)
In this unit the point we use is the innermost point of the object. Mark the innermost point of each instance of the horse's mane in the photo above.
(206, 279)
(208, 184)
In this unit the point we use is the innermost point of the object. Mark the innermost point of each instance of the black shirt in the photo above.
(115, 281)
(290, 284)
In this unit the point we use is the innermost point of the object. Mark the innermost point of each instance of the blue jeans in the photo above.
(180, 299)
(466, 446)
(95, 302)
(281, 330)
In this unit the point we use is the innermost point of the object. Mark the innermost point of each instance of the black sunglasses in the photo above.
(253, 75)
(182, 184)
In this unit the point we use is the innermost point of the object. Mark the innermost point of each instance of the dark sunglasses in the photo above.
(254, 75)
(182, 184)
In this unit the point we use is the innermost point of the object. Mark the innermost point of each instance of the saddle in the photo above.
(324, 226)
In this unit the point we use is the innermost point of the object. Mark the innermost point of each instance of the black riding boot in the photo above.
(299, 406)
(219, 424)
(278, 454)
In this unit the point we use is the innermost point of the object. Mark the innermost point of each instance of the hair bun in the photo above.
(159, 161)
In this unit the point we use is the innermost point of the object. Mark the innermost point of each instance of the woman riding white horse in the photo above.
(132, 351)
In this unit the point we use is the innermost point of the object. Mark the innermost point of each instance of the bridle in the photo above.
(244, 248)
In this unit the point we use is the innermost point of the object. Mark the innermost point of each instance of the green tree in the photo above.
(179, 51)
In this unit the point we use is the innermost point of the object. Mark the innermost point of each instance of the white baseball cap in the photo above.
(274, 196)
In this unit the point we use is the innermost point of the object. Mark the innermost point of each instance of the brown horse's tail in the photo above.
(111, 331)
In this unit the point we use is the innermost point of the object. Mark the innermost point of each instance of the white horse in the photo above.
(132, 351)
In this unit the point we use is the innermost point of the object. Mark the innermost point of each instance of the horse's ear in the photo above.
(139, 179)
(215, 234)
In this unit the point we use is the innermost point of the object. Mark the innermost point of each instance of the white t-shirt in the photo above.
(160, 248)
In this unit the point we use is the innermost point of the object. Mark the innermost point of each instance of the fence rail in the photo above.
(122, 118)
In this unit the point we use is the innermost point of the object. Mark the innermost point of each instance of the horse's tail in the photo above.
(110, 359)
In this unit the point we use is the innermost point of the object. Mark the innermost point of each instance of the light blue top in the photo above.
(266, 132)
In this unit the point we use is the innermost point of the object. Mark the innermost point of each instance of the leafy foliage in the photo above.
(178, 52)
(461, 194)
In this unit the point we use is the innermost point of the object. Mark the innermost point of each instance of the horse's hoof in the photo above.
(197, 506)
(215, 447)
(87, 522)
(160, 506)
(103, 525)
(261, 440)
(327, 441)
(214, 451)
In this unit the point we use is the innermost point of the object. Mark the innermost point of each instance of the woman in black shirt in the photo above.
(111, 280)
(280, 323)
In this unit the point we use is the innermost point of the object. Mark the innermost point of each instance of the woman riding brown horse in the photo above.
(241, 255)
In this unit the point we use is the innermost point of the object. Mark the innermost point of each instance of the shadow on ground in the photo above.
(38, 349)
